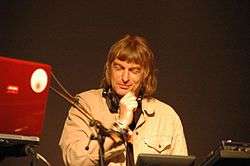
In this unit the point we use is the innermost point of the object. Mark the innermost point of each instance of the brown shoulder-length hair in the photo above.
(133, 49)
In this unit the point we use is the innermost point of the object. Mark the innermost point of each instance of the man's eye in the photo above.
(117, 67)
(136, 71)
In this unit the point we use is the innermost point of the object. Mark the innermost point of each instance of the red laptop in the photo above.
(24, 87)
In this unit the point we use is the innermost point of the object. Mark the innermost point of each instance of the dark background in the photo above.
(202, 51)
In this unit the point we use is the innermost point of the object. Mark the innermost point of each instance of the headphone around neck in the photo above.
(113, 100)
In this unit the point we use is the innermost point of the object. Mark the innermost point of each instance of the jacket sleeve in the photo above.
(179, 141)
(75, 137)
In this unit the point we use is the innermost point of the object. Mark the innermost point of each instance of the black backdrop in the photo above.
(202, 51)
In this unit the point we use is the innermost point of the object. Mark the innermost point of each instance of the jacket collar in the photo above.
(147, 107)
(147, 111)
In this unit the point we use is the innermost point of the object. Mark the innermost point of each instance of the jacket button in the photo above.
(136, 133)
(159, 146)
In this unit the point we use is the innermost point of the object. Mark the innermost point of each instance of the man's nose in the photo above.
(125, 76)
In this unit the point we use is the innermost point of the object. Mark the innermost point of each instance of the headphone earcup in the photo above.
(112, 100)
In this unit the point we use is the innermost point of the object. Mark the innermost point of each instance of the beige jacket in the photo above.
(158, 131)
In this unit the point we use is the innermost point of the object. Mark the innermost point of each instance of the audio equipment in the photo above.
(229, 153)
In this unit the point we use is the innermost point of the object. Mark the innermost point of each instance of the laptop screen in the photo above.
(24, 89)
(164, 160)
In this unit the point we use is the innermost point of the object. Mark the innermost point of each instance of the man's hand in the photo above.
(128, 105)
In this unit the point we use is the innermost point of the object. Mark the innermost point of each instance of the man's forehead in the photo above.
(120, 62)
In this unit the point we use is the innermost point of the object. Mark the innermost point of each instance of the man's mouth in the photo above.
(124, 86)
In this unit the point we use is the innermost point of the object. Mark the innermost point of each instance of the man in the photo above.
(125, 103)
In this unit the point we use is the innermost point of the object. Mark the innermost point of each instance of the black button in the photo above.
(159, 146)
(136, 133)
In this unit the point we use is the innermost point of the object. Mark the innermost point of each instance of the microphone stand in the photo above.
(31, 152)
(101, 131)
(19, 150)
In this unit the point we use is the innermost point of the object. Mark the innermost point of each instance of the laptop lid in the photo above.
(24, 87)
(164, 160)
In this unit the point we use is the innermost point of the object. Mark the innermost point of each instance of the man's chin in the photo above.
(122, 92)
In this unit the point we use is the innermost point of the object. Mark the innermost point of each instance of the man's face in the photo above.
(125, 77)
